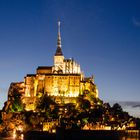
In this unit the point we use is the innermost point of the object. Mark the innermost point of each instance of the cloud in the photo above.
(132, 107)
(136, 106)
(136, 21)
(130, 103)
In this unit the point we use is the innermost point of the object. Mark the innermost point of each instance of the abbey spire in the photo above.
(58, 50)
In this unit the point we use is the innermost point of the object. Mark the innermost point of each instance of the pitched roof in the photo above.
(58, 51)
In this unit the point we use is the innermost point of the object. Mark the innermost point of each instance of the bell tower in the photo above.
(58, 57)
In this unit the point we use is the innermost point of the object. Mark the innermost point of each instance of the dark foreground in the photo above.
(75, 135)
(80, 135)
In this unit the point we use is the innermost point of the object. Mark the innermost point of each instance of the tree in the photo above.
(96, 114)
(86, 105)
(44, 102)
(83, 104)
(138, 123)
(16, 103)
(117, 107)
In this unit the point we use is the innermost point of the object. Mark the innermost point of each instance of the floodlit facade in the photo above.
(59, 96)
(62, 80)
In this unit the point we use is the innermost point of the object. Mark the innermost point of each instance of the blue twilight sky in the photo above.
(102, 35)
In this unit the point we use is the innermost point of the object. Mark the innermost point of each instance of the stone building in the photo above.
(62, 80)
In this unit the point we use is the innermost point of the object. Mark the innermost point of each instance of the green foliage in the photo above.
(85, 120)
(87, 109)
(44, 103)
(83, 104)
(17, 105)
(117, 108)
(86, 105)
(39, 94)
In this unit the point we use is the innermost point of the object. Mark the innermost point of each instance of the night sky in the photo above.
(102, 35)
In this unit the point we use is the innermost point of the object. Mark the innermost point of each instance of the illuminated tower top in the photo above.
(58, 50)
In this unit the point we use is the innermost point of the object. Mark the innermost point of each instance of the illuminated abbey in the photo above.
(59, 96)
(63, 81)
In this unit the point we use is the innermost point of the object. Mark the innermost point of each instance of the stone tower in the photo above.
(58, 57)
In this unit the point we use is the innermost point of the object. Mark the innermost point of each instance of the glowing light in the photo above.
(22, 136)
(20, 128)
(54, 131)
(14, 134)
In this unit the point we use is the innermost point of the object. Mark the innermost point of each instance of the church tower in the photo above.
(58, 57)
(63, 81)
